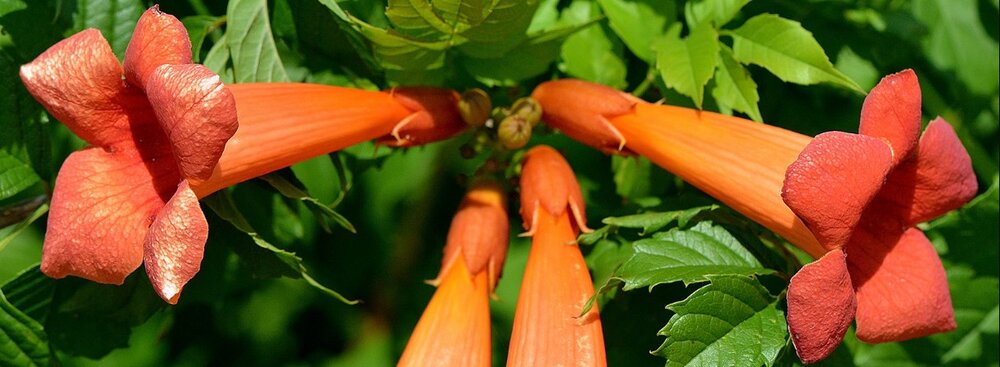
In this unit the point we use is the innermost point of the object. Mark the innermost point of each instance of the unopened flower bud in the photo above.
(528, 108)
(514, 132)
(475, 106)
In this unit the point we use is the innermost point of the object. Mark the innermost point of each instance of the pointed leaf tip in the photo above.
(821, 305)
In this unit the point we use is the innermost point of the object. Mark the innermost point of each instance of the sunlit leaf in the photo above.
(592, 53)
(732, 321)
(687, 255)
(686, 65)
(718, 12)
(734, 88)
(198, 27)
(786, 49)
(957, 41)
(251, 45)
(115, 18)
(639, 23)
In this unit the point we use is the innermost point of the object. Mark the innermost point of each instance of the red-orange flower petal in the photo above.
(938, 179)
(548, 183)
(434, 116)
(175, 244)
(832, 182)
(892, 112)
(102, 205)
(901, 286)
(197, 113)
(79, 82)
(158, 39)
(821, 306)
(581, 110)
(454, 329)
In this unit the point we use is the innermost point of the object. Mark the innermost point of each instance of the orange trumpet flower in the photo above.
(159, 128)
(849, 200)
(548, 327)
(455, 327)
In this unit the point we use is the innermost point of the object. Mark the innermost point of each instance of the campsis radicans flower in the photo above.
(548, 327)
(850, 200)
(160, 129)
(455, 327)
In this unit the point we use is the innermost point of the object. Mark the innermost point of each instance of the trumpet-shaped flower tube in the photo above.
(548, 327)
(455, 327)
(160, 130)
(850, 200)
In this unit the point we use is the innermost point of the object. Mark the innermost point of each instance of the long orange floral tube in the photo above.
(548, 327)
(455, 327)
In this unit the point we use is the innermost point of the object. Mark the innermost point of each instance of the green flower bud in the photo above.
(528, 108)
(475, 106)
(514, 132)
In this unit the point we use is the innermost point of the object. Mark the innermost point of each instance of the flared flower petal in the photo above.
(79, 81)
(102, 206)
(581, 110)
(548, 327)
(454, 329)
(434, 116)
(197, 113)
(901, 286)
(158, 39)
(938, 179)
(175, 244)
(821, 306)
(892, 112)
(832, 182)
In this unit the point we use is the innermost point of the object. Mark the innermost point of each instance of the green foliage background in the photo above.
(287, 250)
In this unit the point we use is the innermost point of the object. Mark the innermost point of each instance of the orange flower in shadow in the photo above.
(849, 200)
(165, 132)
(548, 327)
(455, 327)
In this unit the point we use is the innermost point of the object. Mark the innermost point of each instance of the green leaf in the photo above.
(639, 23)
(22, 339)
(31, 292)
(687, 65)
(786, 49)
(652, 222)
(418, 17)
(223, 205)
(292, 191)
(592, 54)
(632, 176)
(251, 45)
(734, 88)
(857, 68)
(718, 12)
(81, 310)
(38, 211)
(687, 255)
(958, 41)
(219, 60)
(398, 52)
(115, 19)
(15, 176)
(529, 59)
(732, 321)
(976, 301)
(198, 27)
(965, 232)
(501, 31)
